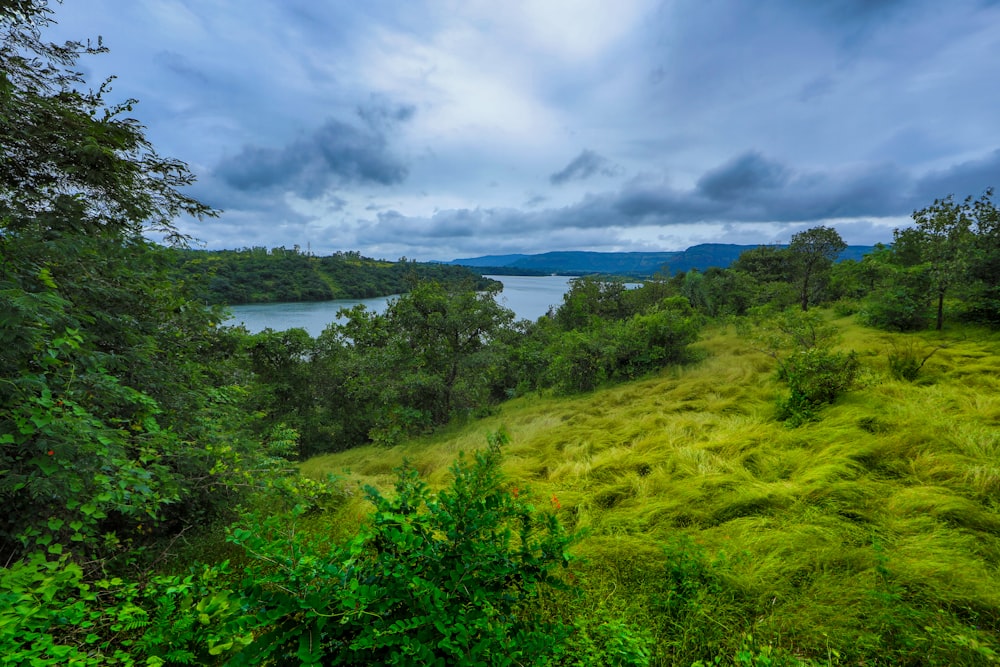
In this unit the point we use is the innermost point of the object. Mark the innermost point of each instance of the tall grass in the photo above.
(869, 537)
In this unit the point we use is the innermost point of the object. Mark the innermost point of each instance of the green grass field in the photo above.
(871, 536)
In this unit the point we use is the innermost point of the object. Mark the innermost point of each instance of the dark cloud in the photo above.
(750, 188)
(381, 115)
(583, 166)
(746, 174)
(966, 179)
(333, 155)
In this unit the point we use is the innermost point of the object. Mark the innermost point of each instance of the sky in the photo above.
(443, 129)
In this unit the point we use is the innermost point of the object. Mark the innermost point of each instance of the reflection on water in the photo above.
(529, 297)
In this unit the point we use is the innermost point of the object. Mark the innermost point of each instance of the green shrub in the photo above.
(845, 307)
(583, 359)
(815, 377)
(895, 309)
(51, 614)
(453, 578)
(606, 640)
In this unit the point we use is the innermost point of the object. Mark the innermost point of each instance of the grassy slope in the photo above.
(855, 532)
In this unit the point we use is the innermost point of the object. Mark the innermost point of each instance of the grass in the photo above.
(869, 537)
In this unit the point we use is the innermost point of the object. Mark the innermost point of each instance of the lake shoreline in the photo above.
(530, 297)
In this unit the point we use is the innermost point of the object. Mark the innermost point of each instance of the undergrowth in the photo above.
(870, 536)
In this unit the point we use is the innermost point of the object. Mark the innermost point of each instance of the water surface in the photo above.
(529, 297)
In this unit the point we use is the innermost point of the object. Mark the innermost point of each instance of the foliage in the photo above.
(815, 377)
(763, 275)
(812, 253)
(604, 639)
(953, 246)
(582, 359)
(52, 614)
(590, 299)
(896, 307)
(72, 163)
(261, 275)
(110, 375)
(435, 354)
(802, 344)
(447, 578)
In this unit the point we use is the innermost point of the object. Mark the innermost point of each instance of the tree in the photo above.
(941, 238)
(435, 353)
(108, 372)
(762, 275)
(590, 298)
(73, 163)
(812, 253)
(984, 263)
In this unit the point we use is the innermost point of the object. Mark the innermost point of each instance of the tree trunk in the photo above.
(940, 310)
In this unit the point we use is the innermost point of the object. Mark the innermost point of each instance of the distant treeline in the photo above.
(262, 275)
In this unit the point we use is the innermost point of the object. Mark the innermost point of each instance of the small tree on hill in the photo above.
(941, 238)
(812, 253)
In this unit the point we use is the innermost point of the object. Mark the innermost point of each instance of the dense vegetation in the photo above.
(814, 485)
(712, 532)
(259, 275)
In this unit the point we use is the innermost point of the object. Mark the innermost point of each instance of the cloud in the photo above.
(335, 154)
(748, 189)
(182, 67)
(741, 176)
(969, 178)
(381, 115)
(583, 166)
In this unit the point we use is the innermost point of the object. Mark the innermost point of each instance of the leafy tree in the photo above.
(590, 298)
(984, 261)
(72, 163)
(582, 359)
(941, 238)
(764, 264)
(812, 253)
(759, 276)
(435, 353)
(109, 372)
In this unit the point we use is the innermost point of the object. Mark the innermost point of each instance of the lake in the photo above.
(529, 297)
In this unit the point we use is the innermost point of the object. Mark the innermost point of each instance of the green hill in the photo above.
(259, 275)
(869, 537)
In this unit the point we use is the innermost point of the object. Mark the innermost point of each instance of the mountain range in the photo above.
(701, 257)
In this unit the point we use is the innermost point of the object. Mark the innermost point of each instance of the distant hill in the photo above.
(701, 257)
(259, 275)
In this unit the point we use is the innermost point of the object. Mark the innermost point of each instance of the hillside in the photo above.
(259, 275)
(869, 537)
(701, 257)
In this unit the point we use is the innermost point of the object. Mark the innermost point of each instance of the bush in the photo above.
(453, 578)
(815, 377)
(582, 359)
(895, 309)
